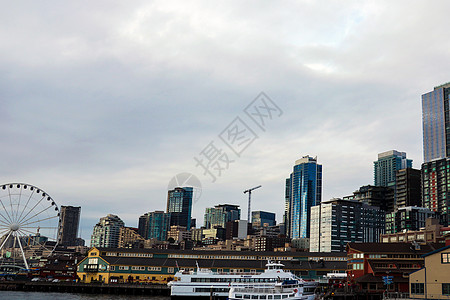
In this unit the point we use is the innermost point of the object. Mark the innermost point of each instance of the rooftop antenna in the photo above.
(249, 191)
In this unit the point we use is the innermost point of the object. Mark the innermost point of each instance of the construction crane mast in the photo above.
(249, 191)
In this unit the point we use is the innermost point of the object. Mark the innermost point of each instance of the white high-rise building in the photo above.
(336, 222)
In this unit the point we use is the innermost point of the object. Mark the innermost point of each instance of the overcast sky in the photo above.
(103, 102)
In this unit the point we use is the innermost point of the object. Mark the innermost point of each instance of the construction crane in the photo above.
(249, 191)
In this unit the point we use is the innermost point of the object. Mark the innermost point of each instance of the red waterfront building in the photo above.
(368, 263)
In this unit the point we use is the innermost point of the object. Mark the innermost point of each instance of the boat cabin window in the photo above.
(275, 267)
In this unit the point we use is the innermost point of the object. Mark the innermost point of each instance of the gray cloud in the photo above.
(102, 103)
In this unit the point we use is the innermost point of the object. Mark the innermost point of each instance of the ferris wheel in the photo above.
(29, 221)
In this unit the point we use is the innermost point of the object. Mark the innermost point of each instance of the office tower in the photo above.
(106, 232)
(408, 188)
(197, 234)
(409, 218)
(387, 165)
(269, 243)
(259, 218)
(287, 197)
(143, 226)
(304, 191)
(68, 226)
(178, 233)
(430, 233)
(379, 196)
(336, 222)
(236, 229)
(129, 238)
(215, 234)
(435, 188)
(154, 225)
(220, 215)
(435, 122)
(179, 205)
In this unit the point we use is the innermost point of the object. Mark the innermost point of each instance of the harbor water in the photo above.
(18, 295)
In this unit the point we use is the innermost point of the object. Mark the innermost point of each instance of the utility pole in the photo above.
(249, 191)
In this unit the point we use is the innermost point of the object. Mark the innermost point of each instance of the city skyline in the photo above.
(103, 113)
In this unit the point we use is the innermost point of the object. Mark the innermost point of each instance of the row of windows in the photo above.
(239, 296)
(233, 280)
(140, 268)
(445, 258)
(356, 267)
(128, 254)
(208, 290)
(230, 257)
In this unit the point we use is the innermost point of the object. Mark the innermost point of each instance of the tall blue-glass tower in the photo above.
(179, 205)
(303, 190)
(436, 123)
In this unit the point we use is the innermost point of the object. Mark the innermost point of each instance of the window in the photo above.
(418, 288)
(445, 258)
(446, 289)
(93, 261)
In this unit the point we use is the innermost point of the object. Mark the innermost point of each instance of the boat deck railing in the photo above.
(266, 289)
(219, 273)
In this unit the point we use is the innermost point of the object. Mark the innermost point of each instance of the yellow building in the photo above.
(433, 280)
(117, 265)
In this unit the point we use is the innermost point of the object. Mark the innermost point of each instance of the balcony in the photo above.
(90, 268)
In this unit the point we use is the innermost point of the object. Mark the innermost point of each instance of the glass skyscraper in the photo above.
(436, 123)
(436, 151)
(220, 215)
(303, 190)
(259, 218)
(154, 225)
(387, 165)
(179, 205)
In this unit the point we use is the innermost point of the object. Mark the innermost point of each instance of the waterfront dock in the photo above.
(86, 288)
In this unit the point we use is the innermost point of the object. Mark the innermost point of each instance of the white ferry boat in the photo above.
(288, 289)
(206, 283)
